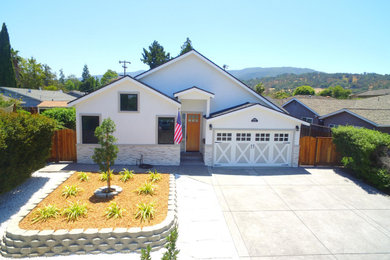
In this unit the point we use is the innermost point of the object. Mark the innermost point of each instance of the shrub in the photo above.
(70, 190)
(145, 253)
(304, 90)
(172, 251)
(25, 142)
(146, 188)
(43, 214)
(75, 210)
(83, 176)
(145, 211)
(65, 117)
(126, 175)
(114, 211)
(154, 176)
(361, 149)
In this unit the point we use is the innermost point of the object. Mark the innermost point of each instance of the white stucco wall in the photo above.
(131, 127)
(193, 71)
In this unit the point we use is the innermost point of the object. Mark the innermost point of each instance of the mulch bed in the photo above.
(96, 218)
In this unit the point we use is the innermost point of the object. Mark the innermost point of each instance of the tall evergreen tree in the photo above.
(186, 47)
(88, 83)
(85, 76)
(155, 56)
(7, 72)
(62, 77)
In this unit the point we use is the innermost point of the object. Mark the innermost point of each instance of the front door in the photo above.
(193, 133)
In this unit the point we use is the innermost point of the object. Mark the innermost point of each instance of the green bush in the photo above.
(361, 149)
(65, 117)
(25, 142)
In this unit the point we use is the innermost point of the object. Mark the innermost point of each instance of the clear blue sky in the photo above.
(329, 36)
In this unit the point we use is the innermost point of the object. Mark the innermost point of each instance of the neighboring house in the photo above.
(32, 98)
(76, 93)
(222, 118)
(372, 113)
(372, 93)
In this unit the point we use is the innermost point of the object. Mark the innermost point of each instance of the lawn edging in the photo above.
(18, 242)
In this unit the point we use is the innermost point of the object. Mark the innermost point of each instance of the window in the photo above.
(128, 102)
(281, 137)
(243, 137)
(88, 126)
(262, 137)
(166, 130)
(308, 119)
(224, 136)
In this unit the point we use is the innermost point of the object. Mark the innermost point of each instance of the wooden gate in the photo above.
(318, 151)
(63, 146)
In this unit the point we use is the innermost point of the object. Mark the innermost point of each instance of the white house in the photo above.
(223, 119)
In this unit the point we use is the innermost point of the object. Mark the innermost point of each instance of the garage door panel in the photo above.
(252, 148)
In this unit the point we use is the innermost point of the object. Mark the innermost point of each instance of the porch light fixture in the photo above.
(254, 120)
(297, 127)
(210, 126)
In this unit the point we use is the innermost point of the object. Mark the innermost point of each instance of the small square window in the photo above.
(128, 102)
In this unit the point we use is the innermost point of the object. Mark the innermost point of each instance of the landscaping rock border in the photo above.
(18, 242)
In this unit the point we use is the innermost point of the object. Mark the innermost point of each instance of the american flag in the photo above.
(178, 130)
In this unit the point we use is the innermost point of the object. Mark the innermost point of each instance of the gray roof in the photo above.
(375, 109)
(231, 109)
(373, 93)
(42, 95)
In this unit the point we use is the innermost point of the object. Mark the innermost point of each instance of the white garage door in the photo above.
(252, 148)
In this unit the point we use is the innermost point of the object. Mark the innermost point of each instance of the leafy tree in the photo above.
(109, 76)
(16, 61)
(7, 73)
(51, 87)
(76, 83)
(69, 85)
(65, 117)
(336, 92)
(155, 56)
(62, 77)
(281, 94)
(186, 47)
(49, 76)
(304, 90)
(259, 88)
(32, 74)
(106, 154)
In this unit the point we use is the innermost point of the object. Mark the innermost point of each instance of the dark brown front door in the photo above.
(193, 132)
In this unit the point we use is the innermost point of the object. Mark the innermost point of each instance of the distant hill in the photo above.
(258, 72)
(355, 82)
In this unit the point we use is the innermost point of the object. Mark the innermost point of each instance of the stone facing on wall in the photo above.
(208, 154)
(295, 156)
(129, 154)
(28, 243)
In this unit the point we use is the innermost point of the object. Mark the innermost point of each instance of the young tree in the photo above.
(186, 47)
(304, 90)
(259, 88)
(109, 76)
(155, 56)
(172, 251)
(7, 72)
(106, 154)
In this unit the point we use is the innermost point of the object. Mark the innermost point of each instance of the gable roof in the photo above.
(41, 95)
(194, 88)
(247, 105)
(373, 93)
(218, 68)
(53, 104)
(374, 110)
(114, 83)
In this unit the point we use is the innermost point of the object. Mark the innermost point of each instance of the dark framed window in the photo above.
(166, 130)
(88, 126)
(128, 102)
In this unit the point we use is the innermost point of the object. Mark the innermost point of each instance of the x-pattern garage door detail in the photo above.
(252, 148)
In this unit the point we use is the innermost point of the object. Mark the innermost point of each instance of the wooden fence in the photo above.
(63, 146)
(318, 151)
(316, 131)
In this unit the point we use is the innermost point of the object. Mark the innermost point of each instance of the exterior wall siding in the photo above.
(129, 154)
(347, 119)
(297, 110)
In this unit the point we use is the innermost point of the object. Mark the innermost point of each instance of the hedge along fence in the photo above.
(25, 142)
(66, 117)
(363, 151)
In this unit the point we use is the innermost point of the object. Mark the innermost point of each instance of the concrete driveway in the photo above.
(312, 213)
